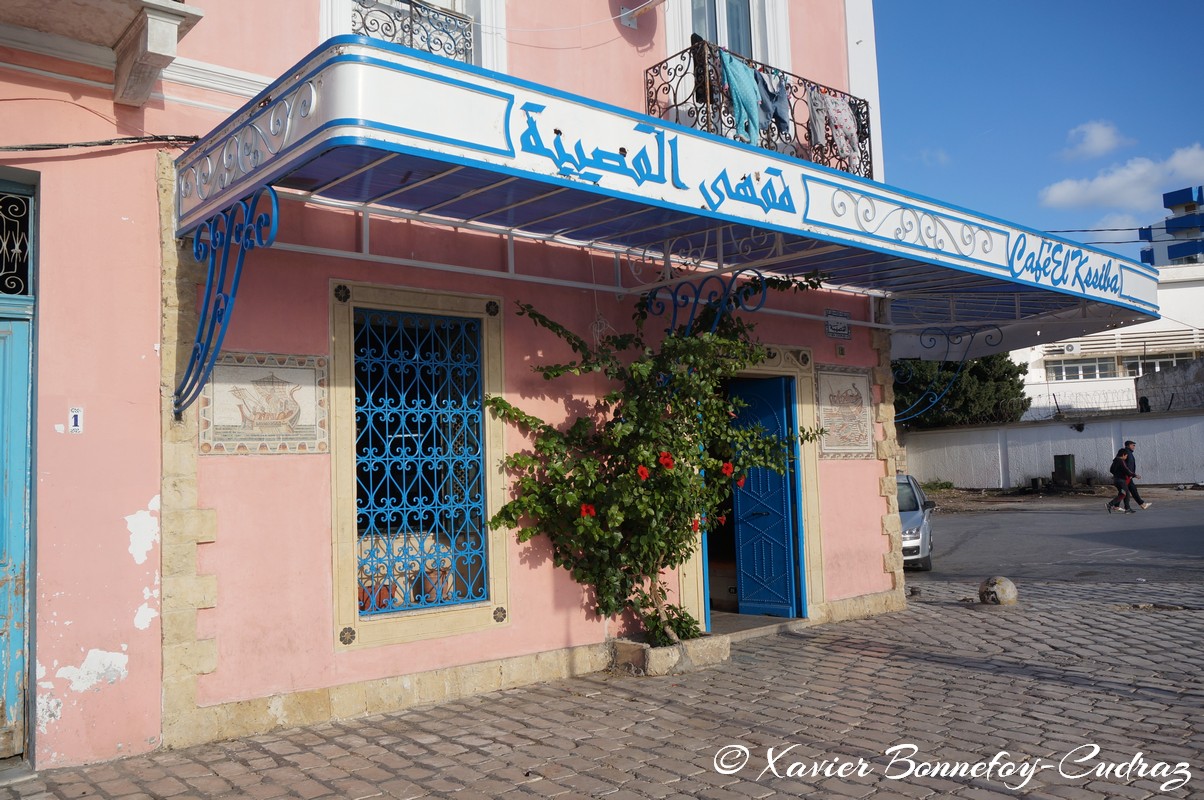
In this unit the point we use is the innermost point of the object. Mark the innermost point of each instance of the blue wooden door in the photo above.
(765, 509)
(14, 513)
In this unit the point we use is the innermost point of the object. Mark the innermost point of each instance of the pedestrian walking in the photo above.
(1131, 446)
(1121, 477)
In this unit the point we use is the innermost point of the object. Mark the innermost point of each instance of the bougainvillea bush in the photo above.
(622, 494)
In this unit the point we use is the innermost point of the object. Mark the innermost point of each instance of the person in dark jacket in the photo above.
(1121, 475)
(1132, 464)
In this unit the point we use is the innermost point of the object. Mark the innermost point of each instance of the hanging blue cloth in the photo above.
(746, 97)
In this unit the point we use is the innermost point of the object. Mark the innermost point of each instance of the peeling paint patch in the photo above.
(276, 709)
(143, 616)
(98, 666)
(146, 612)
(144, 530)
(40, 672)
(49, 709)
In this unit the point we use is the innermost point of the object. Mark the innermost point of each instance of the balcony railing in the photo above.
(800, 118)
(415, 24)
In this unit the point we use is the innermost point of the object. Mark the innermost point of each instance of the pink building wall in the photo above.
(96, 587)
(286, 617)
(273, 624)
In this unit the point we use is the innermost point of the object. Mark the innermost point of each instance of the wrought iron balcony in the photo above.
(801, 118)
(415, 24)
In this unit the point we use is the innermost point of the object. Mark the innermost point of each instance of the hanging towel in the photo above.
(775, 104)
(844, 129)
(817, 123)
(745, 96)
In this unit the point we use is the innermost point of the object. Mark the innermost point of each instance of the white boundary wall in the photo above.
(1170, 450)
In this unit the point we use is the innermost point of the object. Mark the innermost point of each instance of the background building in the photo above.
(1112, 370)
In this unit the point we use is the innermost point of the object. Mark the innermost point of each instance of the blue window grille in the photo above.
(419, 461)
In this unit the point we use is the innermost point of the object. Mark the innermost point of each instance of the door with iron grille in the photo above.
(16, 315)
(420, 506)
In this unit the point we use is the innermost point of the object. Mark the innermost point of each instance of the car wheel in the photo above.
(924, 564)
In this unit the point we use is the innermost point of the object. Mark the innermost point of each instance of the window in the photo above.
(1136, 366)
(728, 23)
(413, 489)
(1080, 369)
(420, 506)
(756, 29)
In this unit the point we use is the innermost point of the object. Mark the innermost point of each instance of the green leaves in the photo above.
(623, 495)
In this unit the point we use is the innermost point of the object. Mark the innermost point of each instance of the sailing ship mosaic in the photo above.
(264, 403)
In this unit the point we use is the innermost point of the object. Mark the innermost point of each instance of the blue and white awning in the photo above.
(379, 126)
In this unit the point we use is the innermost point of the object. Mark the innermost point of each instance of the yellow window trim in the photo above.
(350, 630)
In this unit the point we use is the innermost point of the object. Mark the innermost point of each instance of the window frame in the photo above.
(1064, 365)
(351, 629)
(1156, 361)
(769, 21)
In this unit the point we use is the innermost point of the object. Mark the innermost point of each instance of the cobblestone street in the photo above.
(1080, 692)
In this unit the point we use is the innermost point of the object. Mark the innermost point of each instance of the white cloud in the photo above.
(935, 158)
(1125, 225)
(1094, 139)
(1137, 185)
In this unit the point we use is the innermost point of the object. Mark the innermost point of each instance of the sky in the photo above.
(1054, 114)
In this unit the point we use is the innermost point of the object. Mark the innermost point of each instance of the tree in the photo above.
(987, 390)
(622, 494)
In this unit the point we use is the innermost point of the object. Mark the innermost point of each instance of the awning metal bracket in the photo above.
(722, 293)
(953, 338)
(236, 231)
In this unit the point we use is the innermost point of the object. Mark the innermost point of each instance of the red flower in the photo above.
(666, 459)
(694, 525)
(740, 481)
(723, 519)
(588, 511)
(643, 472)
(727, 469)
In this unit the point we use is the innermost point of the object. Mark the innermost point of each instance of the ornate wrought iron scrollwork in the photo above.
(720, 295)
(222, 243)
(415, 24)
(250, 146)
(811, 122)
(15, 213)
(911, 225)
(953, 338)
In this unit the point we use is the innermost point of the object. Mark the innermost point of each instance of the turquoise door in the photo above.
(14, 511)
(768, 579)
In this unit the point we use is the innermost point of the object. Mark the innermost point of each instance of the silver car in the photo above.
(915, 515)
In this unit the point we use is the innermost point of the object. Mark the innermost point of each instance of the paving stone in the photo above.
(1062, 670)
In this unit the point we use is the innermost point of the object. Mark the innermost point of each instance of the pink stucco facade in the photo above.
(95, 682)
